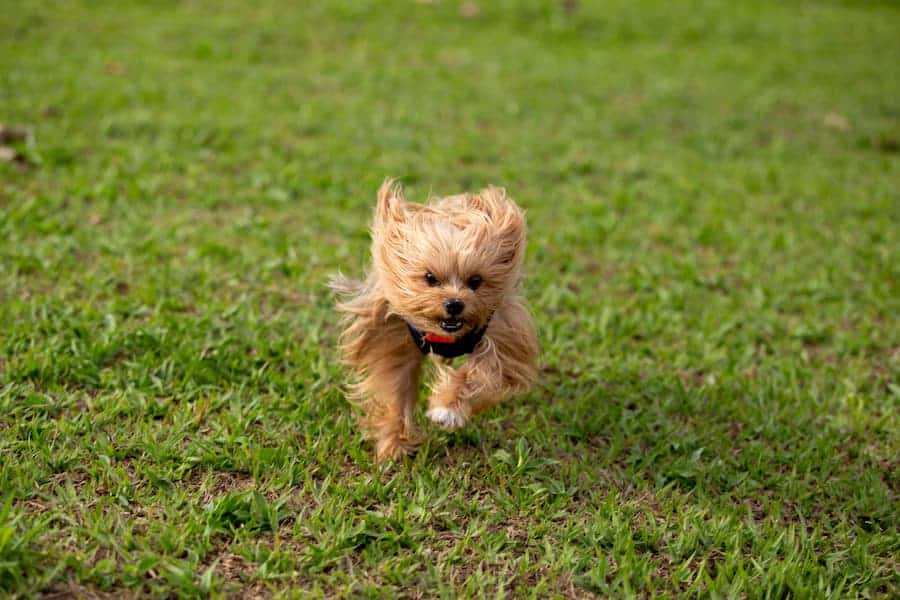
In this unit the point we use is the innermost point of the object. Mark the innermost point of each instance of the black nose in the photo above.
(454, 306)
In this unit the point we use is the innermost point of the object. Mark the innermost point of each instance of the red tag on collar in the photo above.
(439, 339)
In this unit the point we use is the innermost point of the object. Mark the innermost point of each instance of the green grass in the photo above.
(714, 264)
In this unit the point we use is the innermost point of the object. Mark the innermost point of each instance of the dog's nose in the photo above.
(454, 306)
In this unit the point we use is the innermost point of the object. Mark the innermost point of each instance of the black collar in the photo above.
(464, 345)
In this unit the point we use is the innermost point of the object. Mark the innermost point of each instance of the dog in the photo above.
(445, 280)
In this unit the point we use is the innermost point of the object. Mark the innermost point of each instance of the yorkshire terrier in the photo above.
(446, 280)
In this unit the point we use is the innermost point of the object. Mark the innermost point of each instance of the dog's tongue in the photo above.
(439, 339)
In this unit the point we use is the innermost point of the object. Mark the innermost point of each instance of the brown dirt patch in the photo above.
(74, 590)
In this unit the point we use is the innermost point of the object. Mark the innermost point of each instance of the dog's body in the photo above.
(445, 279)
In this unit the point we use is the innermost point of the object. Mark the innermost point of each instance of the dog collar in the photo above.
(447, 347)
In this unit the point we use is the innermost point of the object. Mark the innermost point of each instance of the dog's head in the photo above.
(446, 266)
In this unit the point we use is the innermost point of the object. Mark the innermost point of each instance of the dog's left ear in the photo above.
(507, 218)
(391, 206)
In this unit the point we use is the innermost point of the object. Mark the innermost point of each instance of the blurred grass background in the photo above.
(712, 191)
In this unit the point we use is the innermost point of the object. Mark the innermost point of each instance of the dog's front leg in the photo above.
(505, 362)
(389, 364)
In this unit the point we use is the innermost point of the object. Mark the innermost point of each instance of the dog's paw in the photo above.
(446, 418)
(393, 448)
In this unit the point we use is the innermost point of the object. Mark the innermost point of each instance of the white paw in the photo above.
(446, 418)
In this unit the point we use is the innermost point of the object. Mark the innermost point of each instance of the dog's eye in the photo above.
(431, 279)
(474, 282)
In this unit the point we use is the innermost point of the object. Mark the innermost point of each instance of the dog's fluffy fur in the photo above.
(452, 239)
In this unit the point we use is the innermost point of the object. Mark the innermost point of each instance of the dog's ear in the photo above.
(391, 206)
(507, 218)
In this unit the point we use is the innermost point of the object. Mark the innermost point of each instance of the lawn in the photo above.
(713, 193)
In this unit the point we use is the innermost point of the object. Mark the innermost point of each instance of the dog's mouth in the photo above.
(451, 325)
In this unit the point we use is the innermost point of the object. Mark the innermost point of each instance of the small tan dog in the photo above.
(445, 280)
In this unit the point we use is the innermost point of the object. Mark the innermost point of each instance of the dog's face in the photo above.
(446, 266)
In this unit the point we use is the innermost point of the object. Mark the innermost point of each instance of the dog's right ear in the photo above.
(391, 206)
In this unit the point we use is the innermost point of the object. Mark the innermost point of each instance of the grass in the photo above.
(714, 263)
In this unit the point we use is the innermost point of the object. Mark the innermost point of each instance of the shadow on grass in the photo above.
(721, 444)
